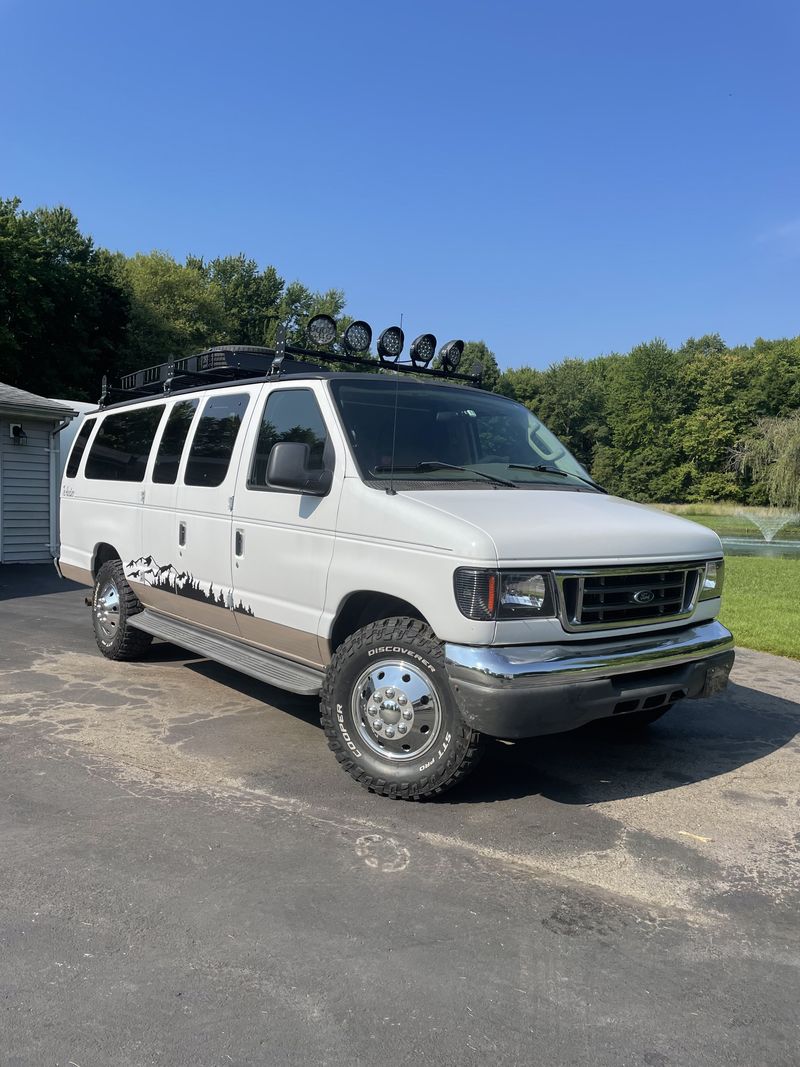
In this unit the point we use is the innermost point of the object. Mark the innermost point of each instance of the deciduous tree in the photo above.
(770, 455)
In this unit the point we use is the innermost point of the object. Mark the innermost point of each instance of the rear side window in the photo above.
(168, 459)
(214, 439)
(289, 415)
(121, 448)
(79, 447)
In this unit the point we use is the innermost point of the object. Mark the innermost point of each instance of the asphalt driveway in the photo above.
(188, 878)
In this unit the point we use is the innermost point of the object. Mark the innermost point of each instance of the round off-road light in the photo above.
(358, 336)
(450, 355)
(322, 330)
(423, 349)
(390, 343)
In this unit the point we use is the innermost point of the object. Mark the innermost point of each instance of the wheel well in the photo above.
(102, 554)
(360, 609)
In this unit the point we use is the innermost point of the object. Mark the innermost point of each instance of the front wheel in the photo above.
(390, 716)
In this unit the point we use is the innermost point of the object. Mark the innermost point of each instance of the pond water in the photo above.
(756, 546)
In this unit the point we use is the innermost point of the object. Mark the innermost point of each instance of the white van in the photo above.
(425, 556)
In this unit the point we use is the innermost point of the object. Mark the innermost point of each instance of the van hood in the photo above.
(560, 528)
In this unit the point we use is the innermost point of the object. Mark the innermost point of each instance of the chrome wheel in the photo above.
(106, 610)
(396, 710)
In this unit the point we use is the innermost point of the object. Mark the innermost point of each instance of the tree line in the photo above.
(701, 422)
(71, 312)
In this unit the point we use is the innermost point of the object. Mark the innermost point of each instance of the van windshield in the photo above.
(445, 434)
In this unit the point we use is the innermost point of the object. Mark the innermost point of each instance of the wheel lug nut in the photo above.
(377, 724)
(389, 731)
(390, 693)
(408, 713)
(401, 727)
(402, 699)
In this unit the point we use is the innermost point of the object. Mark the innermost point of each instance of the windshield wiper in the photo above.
(556, 470)
(437, 465)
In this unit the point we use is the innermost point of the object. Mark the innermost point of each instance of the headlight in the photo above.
(524, 593)
(487, 595)
(713, 579)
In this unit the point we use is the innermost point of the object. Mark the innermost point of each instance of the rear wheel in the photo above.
(390, 716)
(113, 603)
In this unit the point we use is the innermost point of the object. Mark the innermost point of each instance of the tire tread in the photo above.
(394, 630)
(133, 643)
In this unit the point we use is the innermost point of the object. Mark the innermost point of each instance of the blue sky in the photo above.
(558, 179)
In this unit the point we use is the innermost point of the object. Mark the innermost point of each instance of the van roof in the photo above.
(381, 374)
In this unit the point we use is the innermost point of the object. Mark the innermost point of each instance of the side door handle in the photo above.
(182, 534)
(239, 543)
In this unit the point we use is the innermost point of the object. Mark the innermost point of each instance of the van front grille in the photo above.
(601, 598)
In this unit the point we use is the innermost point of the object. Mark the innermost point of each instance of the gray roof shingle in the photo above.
(10, 397)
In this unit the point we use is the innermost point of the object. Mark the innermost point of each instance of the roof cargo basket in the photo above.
(230, 363)
(221, 358)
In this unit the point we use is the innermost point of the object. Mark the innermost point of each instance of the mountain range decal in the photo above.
(182, 583)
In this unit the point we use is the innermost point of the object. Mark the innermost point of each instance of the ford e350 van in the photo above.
(425, 556)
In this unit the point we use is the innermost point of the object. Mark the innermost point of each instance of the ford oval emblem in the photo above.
(644, 596)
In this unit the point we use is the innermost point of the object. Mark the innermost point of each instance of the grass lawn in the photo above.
(761, 603)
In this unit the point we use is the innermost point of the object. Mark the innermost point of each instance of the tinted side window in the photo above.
(120, 449)
(173, 439)
(214, 439)
(289, 415)
(79, 447)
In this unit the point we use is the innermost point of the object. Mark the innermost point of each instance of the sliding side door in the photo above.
(190, 564)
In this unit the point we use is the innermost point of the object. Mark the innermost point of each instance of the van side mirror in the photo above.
(288, 468)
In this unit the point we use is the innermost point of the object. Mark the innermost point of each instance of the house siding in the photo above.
(25, 492)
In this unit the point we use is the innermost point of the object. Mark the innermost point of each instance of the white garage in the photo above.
(29, 474)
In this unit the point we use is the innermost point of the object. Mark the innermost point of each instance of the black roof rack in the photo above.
(230, 363)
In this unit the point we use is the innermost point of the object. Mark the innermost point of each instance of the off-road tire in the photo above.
(454, 748)
(115, 637)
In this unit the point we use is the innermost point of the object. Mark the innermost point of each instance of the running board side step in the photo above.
(265, 666)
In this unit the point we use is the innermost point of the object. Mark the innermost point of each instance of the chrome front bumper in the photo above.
(522, 691)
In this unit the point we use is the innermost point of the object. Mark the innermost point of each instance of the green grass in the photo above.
(761, 603)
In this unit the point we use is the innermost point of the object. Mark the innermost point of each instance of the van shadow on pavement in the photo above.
(695, 741)
(301, 707)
